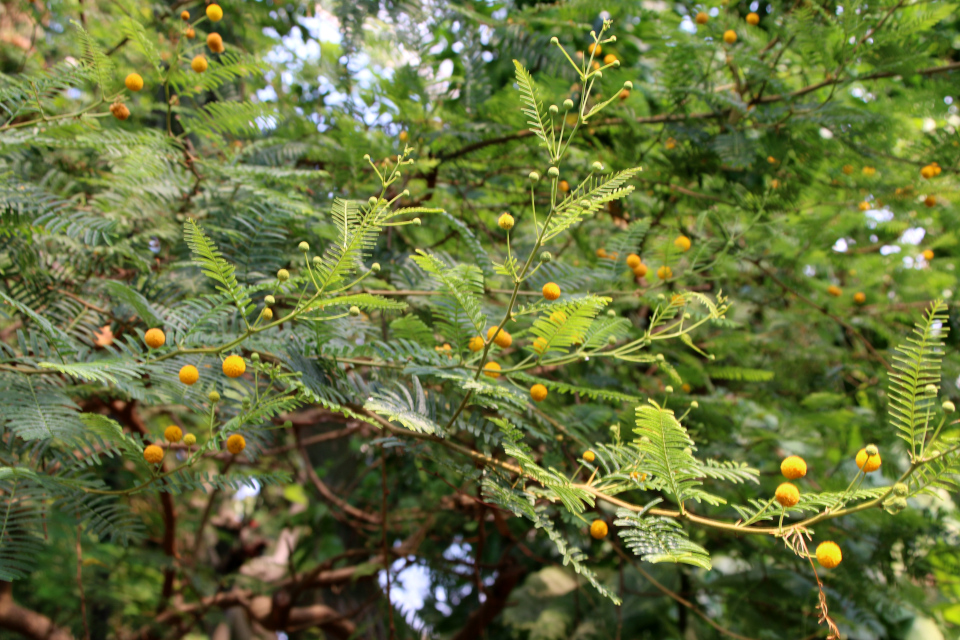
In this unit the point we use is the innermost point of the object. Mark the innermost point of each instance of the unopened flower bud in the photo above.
(613, 38)
(659, 357)
(245, 403)
(611, 313)
(372, 201)
(354, 311)
(255, 357)
(597, 166)
(554, 109)
(901, 489)
(534, 176)
(270, 300)
(317, 260)
(287, 424)
(628, 85)
(416, 221)
(872, 450)
(948, 407)
(546, 256)
(612, 340)
(585, 203)
(694, 404)
(553, 172)
(304, 247)
(554, 40)
(932, 390)
(406, 193)
(283, 275)
(213, 396)
(568, 104)
(668, 389)
(375, 267)
(366, 157)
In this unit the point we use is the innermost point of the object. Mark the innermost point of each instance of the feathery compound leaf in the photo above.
(917, 366)
(588, 199)
(98, 371)
(459, 309)
(358, 231)
(567, 324)
(668, 449)
(532, 107)
(587, 392)
(740, 373)
(207, 256)
(21, 525)
(412, 411)
(217, 119)
(35, 410)
(657, 539)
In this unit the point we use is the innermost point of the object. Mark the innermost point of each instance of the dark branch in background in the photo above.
(27, 622)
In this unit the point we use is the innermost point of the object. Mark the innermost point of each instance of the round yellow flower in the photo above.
(189, 439)
(173, 433)
(154, 338)
(601, 253)
(589, 456)
(609, 58)
(640, 270)
(506, 222)
(491, 370)
(869, 171)
(753, 19)
(793, 467)
(787, 494)
(702, 18)
(664, 272)
(215, 43)
(236, 444)
(134, 82)
(214, 12)
(538, 392)
(476, 343)
(930, 201)
(682, 243)
(829, 554)
(184, 15)
(868, 464)
(551, 291)
(864, 206)
(189, 374)
(594, 49)
(859, 297)
(847, 169)
(234, 366)
(564, 186)
(730, 36)
(503, 339)
(927, 255)
(199, 64)
(835, 291)
(190, 33)
(404, 136)
(153, 454)
(634, 261)
(598, 529)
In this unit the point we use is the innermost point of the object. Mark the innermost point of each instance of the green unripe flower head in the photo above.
(255, 357)
(269, 300)
(287, 424)
(372, 201)
(554, 109)
(932, 390)
(694, 404)
(213, 396)
(283, 275)
(597, 166)
(189, 439)
(668, 388)
(612, 340)
(546, 256)
(628, 85)
(568, 104)
(534, 176)
(375, 267)
(611, 313)
(245, 403)
(406, 193)
(553, 172)
(304, 247)
(872, 450)
(354, 311)
(554, 40)
(417, 221)
(901, 489)
(317, 259)
(949, 407)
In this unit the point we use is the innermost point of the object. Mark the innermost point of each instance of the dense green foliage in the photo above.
(325, 200)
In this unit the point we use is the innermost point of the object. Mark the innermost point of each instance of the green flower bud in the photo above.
(568, 104)
(304, 247)
(893, 506)
(213, 396)
(375, 267)
(659, 357)
(255, 357)
(616, 64)
(901, 489)
(948, 407)
(546, 256)
(554, 109)
(872, 450)
(372, 201)
(417, 221)
(287, 424)
(534, 176)
(694, 404)
(612, 340)
(628, 85)
(354, 311)
(245, 403)
(932, 390)
(317, 259)
(406, 193)
(613, 39)
(270, 300)
(611, 313)
(366, 157)
(283, 275)
(597, 166)
(585, 203)
(553, 172)
(599, 74)
(554, 40)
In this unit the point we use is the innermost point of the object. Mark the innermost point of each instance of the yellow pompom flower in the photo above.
(404, 136)
(864, 206)
(609, 58)
(787, 495)
(702, 18)
(503, 339)
(927, 255)
(793, 467)
(564, 186)
(634, 261)
(189, 374)
(859, 297)
(154, 338)
(598, 529)
(214, 12)
(847, 169)
(506, 222)
(236, 444)
(640, 270)
(476, 344)
(538, 392)
(189, 439)
(234, 366)
(682, 243)
(601, 253)
(173, 433)
(869, 171)
(153, 454)
(190, 33)
(835, 291)
(199, 64)
(664, 272)
(930, 201)
(491, 370)
(134, 82)
(730, 36)
(551, 291)
(753, 19)
(215, 43)
(866, 462)
(589, 456)
(184, 15)
(594, 49)
(829, 554)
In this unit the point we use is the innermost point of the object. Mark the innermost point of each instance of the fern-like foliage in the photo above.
(207, 256)
(916, 366)
(411, 410)
(21, 525)
(657, 539)
(532, 107)
(459, 309)
(587, 199)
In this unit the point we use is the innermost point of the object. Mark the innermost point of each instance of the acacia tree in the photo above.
(546, 306)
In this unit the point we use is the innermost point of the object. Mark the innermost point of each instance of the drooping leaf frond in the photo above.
(658, 539)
